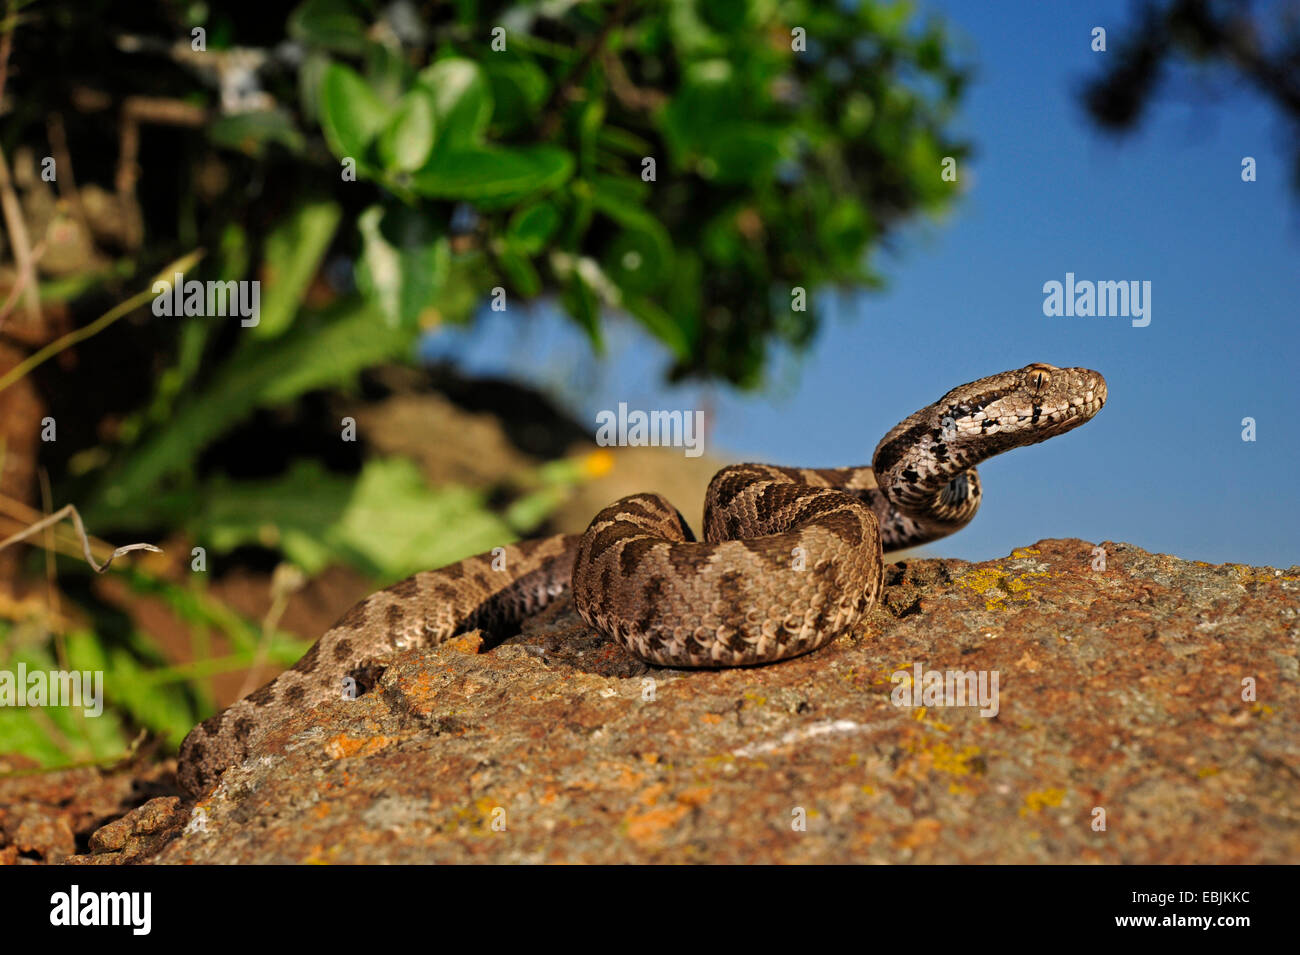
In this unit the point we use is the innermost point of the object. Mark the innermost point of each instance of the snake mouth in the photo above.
(1094, 394)
(1083, 393)
(1077, 413)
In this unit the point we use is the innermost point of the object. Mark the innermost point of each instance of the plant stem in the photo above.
(98, 325)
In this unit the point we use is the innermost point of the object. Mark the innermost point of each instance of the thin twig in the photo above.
(67, 179)
(51, 572)
(12, 509)
(21, 244)
(13, 210)
(70, 510)
(285, 580)
(183, 264)
(20, 283)
(7, 43)
(625, 91)
(564, 89)
(135, 111)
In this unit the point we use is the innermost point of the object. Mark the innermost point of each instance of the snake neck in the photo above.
(953, 505)
(928, 477)
(939, 513)
(925, 466)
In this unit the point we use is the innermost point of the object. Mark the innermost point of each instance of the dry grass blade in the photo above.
(71, 511)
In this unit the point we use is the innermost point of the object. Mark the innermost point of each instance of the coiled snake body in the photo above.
(792, 558)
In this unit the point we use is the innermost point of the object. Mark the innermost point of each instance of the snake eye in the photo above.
(1040, 379)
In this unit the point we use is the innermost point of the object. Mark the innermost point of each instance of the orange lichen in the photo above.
(922, 833)
(343, 745)
(648, 828)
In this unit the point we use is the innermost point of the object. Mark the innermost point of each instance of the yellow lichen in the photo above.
(937, 756)
(319, 855)
(954, 762)
(1040, 800)
(920, 716)
(997, 586)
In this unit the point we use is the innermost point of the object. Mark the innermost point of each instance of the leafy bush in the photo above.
(383, 169)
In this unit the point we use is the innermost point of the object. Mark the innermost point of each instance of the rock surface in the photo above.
(1126, 731)
(49, 816)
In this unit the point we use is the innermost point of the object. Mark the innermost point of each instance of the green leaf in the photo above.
(403, 262)
(58, 735)
(294, 250)
(162, 709)
(351, 113)
(520, 272)
(580, 301)
(408, 140)
(682, 297)
(591, 118)
(311, 74)
(386, 521)
(531, 226)
(396, 522)
(709, 97)
(519, 88)
(387, 71)
(640, 258)
(462, 100)
(743, 152)
(487, 173)
(462, 294)
(251, 133)
(331, 24)
(292, 513)
(672, 332)
(636, 261)
(318, 351)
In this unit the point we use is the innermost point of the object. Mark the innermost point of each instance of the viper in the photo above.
(791, 559)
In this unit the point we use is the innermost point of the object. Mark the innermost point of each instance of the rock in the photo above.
(46, 816)
(33, 832)
(1145, 713)
(140, 832)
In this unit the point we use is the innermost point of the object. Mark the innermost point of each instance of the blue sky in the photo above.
(1163, 466)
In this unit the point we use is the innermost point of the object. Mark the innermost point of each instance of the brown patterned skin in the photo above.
(792, 558)
(491, 591)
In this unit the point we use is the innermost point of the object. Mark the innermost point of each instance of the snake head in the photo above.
(1032, 403)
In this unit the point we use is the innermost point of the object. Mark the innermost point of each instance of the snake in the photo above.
(791, 559)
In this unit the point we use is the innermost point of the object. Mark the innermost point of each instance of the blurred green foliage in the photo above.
(383, 168)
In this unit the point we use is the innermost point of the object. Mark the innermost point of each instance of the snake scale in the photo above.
(792, 558)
